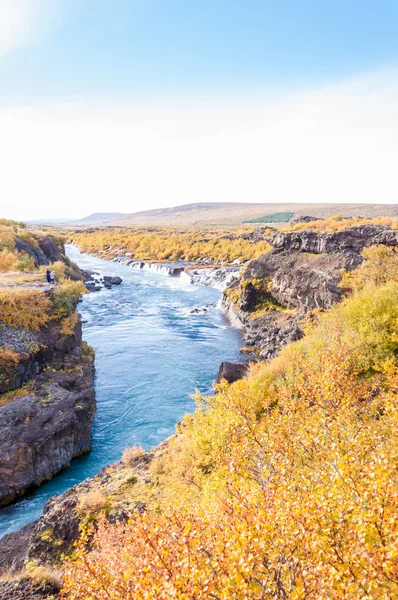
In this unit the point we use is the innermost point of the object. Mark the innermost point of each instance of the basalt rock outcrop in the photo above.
(301, 273)
(26, 589)
(47, 423)
(232, 371)
(45, 251)
(45, 541)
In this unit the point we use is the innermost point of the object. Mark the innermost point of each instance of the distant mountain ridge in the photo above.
(236, 213)
(99, 218)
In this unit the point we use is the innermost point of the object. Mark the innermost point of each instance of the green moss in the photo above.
(47, 534)
(281, 217)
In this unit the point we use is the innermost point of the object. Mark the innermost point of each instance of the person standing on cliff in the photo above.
(48, 276)
(53, 277)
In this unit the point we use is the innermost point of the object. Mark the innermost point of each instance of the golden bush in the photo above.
(24, 308)
(283, 485)
(172, 244)
(130, 454)
(7, 260)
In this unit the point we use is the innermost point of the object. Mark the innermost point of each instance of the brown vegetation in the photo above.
(171, 244)
(24, 308)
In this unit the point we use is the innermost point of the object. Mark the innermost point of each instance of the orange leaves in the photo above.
(24, 308)
(282, 486)
(173, 244)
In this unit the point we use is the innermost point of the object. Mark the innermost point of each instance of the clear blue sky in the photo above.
(126, 105)
(122, 48)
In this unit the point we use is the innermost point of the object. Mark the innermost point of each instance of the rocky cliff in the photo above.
(48, 422)
(302, 273)
(46, 372)
(112, 492)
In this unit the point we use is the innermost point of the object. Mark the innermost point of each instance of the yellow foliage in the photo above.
(24, 308)
(69, 323)
(74, 288)
(91, 502)
(172, 244)
(8, 357)
(283, 485)
(59, 269)
(380, 266)
(130, 454)
(45, 574)
(339, 223)
(7, 235)
(7, 260)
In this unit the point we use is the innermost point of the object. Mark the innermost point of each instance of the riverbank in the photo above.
(157, 339)
(302, 277)
(208, 274)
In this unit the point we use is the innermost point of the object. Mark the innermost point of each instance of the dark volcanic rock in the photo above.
(92, 286)
(304, 219)
(302, 273)
(41, 432)
(112, 280)
(49, 423)
(14, 549)
(300, 280)
(349, 242)
(248, 299)
(47, 250)
(56, 530)
(232, 371)
(52, 251)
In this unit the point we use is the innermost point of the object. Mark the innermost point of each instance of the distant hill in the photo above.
(93, 219)
(235, 213)
(99, 218)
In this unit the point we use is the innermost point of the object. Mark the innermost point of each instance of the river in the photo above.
(152, 353)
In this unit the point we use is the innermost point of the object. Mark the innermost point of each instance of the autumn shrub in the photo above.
(64, 303)
(59, 269)
(24, 262)
(68, 324)
(91, 502)
(130, 454)
(7, 237)
(339, 223)
(380, 266)
(24, 308)
(7, 260)
(28, 238)
(217, 244)
(8, 357)
(74, 288)
(283, 485)
(12, 224)
(45, 574)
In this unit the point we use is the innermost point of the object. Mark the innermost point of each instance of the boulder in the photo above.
(92, 286)
(232, 371)
(112, 280)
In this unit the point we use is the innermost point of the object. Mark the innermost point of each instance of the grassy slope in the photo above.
(228, 213)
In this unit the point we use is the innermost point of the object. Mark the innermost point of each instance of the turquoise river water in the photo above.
(151, 355)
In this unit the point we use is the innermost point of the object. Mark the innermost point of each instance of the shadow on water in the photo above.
(152, 353)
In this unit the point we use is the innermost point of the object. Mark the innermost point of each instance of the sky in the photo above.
(127, 105)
